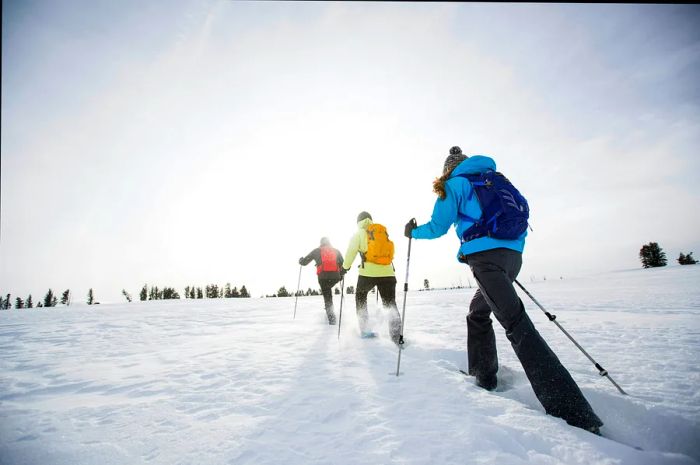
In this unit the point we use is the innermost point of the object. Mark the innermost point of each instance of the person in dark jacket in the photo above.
(330, 271)
(495, 263)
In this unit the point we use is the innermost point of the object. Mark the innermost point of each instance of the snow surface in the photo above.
(238, 381)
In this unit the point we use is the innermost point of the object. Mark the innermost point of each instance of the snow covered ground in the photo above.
(238, 381)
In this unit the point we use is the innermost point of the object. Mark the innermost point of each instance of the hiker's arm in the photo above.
(353, 248)
(313, 255)
(444, 216)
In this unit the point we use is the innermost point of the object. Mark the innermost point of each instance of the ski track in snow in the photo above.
(239, 382)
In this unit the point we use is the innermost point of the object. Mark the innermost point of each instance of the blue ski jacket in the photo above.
(446, 212)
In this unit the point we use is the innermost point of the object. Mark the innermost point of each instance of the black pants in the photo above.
(327, 292)
(495, 270)
(386, 285)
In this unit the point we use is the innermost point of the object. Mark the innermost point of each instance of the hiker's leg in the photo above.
(495, 271)
(481, 341)
(364, 285)
(326, 291)
(386, 286)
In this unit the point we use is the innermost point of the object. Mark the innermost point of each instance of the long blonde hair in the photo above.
(439, 184)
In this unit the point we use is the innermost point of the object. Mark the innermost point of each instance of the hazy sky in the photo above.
(186, 143)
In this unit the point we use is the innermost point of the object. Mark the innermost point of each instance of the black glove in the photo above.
(410, 226)
(343, 271)
(301, 261)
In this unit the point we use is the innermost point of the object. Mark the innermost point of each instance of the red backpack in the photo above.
(329, 260)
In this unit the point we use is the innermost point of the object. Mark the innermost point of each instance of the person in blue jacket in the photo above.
(495, 263)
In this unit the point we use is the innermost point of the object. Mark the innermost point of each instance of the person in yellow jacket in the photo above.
(372, 274)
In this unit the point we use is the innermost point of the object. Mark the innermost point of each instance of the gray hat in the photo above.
(325, 241)
(363, 215)
(453, 159)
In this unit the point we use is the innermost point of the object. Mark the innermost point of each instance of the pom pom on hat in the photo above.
(453, 159)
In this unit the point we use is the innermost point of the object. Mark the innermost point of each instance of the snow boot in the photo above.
(595, 430)
(487, 382)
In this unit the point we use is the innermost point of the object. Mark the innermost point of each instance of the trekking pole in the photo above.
(553, 318)
(403, 314)
(296, 296)
(340, 314)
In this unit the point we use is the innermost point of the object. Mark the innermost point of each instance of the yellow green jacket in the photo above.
(358, 244)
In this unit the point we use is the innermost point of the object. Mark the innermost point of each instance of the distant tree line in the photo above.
(50, 300)
(211, 291)
(283, 292)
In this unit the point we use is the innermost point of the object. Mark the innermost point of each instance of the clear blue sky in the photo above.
(194, 142)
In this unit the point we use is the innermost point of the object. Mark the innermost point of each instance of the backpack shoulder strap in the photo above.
(475, 180)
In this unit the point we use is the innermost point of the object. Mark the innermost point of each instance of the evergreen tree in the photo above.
(127, 295)
(244, 292)
(235, 292)
(187, 292)
(652, 255)
(19, 303)
(144, 292)
(39, 305)
(170, 293)
(30, 304)
(90, 297)
(8, 303)
(212, 291)
(192, 293)
(687, 259)
(282, 292)
(49, 299)
(426, 284)
(65, 298)
(200, 295)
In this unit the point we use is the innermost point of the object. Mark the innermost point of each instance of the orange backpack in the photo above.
(380, 249)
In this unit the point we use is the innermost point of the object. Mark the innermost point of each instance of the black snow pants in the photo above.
(386, 285)
(327, 292)
(495, 270)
